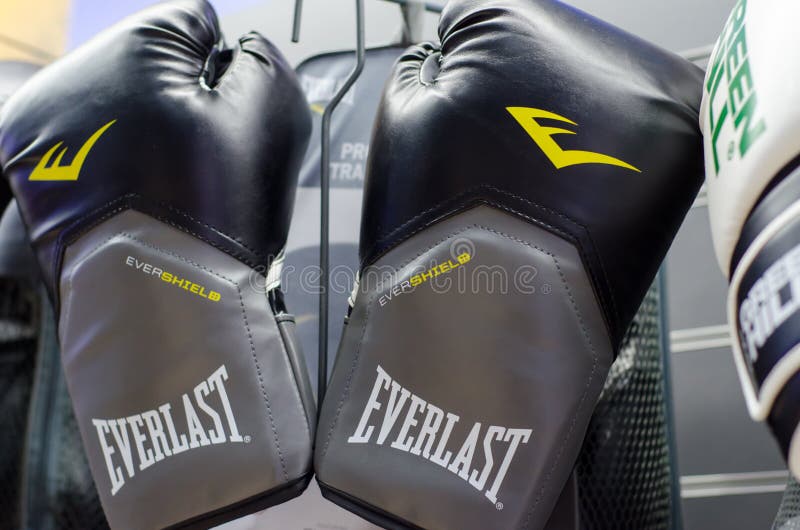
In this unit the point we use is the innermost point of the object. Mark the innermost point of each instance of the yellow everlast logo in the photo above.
(543, 136)
(71, 171)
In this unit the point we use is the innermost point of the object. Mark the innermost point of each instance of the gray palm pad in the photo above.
(178, 373)
(470, 396)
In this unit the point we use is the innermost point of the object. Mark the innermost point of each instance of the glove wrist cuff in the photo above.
(763, 305)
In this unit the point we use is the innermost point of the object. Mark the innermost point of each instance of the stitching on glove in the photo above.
(280, 319)
(356, 357)
(589, 379)
(104, 243)
(68, 236)
(580, 402)
(392, 242)
(215, 230)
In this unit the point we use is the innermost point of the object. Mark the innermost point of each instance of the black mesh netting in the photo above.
(624, 471)
(788, 517)
(17, 361)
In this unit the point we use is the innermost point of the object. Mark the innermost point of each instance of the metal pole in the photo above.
(324, 254)
(669, 405)
(298, 14)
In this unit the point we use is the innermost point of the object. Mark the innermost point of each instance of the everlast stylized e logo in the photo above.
(151, 436)
(429, 438)
(70, 172)
(543, 136)
(734, 101)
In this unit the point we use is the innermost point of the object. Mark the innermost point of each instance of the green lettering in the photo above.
(751, 131)
(738, 63)
(731, 60)
(740, 87)
(714, 70)
(732, 25)
(716, 128)
(736, 20)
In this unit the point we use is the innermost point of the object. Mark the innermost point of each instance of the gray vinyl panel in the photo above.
(733, 512)
(461, 325)
(232, 336)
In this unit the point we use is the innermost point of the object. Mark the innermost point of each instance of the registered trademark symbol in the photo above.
(546, 289)
(247, 439)
(730, 151)
(499, 505)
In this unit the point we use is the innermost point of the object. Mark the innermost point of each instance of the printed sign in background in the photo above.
(350, 131)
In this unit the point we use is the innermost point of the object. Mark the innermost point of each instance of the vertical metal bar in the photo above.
(298, 15)
(669, 405)
(694, 55)
(324, 253)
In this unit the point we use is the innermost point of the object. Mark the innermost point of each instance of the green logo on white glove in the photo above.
(736, 98)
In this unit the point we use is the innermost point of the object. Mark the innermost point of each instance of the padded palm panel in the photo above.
(469, 392)
(203, 394)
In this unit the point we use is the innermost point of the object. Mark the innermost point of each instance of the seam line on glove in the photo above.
(257, 365)
(580, 402)
(72, 234)
(576, 311)
(389, 242)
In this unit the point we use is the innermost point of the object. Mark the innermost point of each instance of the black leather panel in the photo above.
(442, 143)
(214, 138)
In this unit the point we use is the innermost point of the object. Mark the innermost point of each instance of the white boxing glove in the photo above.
(751, 127)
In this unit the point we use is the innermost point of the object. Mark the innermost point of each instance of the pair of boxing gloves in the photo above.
(154, 169)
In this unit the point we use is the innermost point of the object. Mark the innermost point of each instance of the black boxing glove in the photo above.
(155, 171)
(525, 180)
